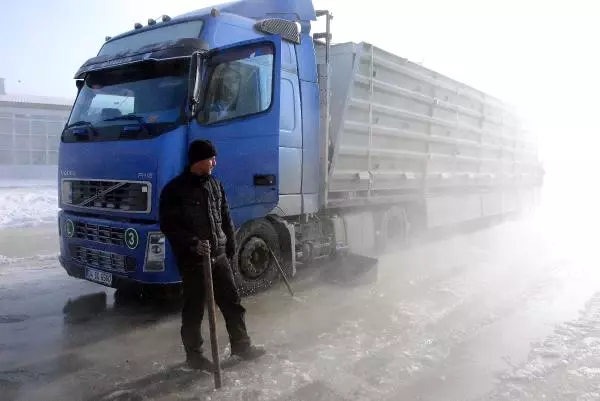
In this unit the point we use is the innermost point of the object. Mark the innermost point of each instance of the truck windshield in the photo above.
(150, 94)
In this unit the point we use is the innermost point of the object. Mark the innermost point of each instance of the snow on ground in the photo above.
(6, 260)
(26, 183)
(27, 203)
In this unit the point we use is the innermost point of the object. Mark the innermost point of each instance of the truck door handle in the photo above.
(265, 180)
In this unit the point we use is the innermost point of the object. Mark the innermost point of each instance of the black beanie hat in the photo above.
(201, 150)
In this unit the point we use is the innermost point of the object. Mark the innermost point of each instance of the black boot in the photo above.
(198, 361)
(249, 352)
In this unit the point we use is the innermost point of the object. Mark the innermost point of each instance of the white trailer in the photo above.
(409, 147)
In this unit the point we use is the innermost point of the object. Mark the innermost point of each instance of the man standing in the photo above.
(193, 209)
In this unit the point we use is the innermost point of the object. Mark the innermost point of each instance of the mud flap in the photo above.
(350, 269)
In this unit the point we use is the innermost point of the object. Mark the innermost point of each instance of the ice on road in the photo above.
(563, 366)
(25, 204)
(510, 312)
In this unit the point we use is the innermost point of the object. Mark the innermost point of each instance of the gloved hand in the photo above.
(203, 248)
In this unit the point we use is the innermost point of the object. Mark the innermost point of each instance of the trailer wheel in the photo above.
(393, 229)
(253, 266)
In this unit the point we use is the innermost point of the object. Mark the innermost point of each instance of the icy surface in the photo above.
(27, 203)
(564, 366)
(509, 312)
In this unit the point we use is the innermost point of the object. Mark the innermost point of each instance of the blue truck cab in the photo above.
(242, 75)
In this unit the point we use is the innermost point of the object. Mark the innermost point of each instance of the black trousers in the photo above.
(227, 299)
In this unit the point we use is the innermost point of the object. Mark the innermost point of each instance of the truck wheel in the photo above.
(253, 266)
(393, 230)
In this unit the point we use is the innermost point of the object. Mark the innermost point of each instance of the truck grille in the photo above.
(114, 195)
(103, 260)
(101, 234)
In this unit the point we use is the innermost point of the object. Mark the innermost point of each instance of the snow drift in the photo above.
(24, 204)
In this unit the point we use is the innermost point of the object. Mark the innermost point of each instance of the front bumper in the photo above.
(78, 271)
(88, 242)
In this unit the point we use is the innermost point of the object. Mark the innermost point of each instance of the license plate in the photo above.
(98, 276)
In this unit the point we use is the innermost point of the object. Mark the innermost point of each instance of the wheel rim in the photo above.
(255, 259)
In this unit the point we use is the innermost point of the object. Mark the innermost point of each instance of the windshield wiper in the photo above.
(131, 117)
(80, 123)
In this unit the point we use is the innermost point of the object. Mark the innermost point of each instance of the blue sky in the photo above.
(538, 54)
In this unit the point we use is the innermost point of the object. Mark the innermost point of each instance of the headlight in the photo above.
(67, 192)
(155, 253)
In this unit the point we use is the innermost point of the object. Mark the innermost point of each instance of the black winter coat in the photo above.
(194, 208)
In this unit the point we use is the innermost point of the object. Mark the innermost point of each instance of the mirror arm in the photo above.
(192, 84)
(199, 74)
(195, 85)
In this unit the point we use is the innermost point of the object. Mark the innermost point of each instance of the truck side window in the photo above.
(240, 84)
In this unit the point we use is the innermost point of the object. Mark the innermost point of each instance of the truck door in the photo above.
(239, 114)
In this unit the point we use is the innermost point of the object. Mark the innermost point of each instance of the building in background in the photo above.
(30, 128)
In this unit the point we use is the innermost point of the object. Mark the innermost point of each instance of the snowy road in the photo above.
(27, 203)
(508, 313)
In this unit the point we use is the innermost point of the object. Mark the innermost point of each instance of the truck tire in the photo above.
(253, 266)
(393, 230)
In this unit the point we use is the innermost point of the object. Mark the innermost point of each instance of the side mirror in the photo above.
(79, 85)
(194, 84)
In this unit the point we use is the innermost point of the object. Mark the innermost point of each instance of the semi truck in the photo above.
(322, 147)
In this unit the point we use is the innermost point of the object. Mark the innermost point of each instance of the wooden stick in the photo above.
(287, 283)
(212, 319)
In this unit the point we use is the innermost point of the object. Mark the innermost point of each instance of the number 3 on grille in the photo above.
(132, 238)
